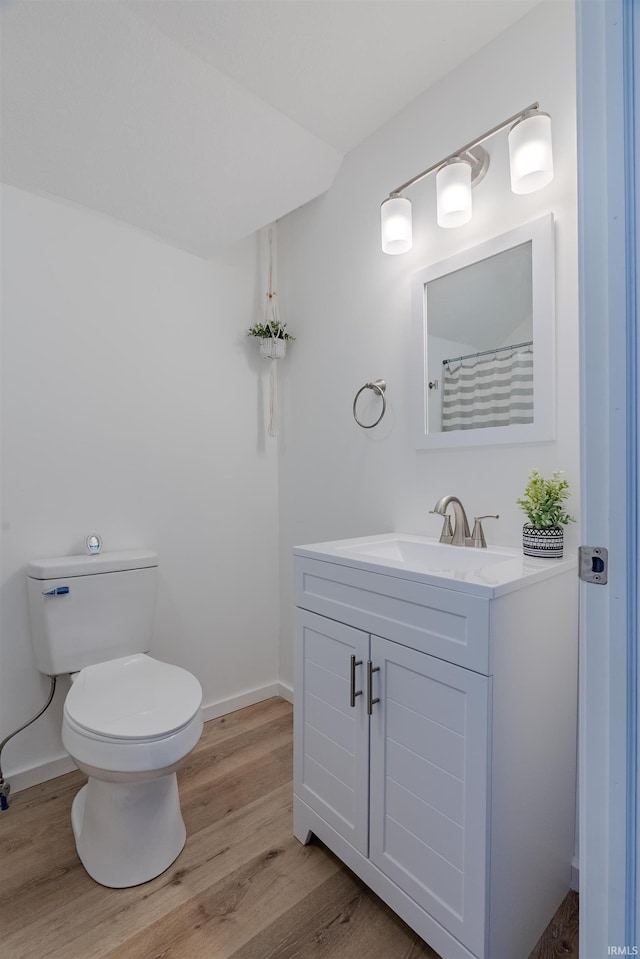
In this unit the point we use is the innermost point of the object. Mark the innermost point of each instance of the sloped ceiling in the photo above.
(202, 120)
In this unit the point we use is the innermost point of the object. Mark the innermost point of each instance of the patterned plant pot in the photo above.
(273, 347)
(545, 543)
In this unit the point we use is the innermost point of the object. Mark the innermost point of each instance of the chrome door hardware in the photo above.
(593, 564)
(371, 669)
(353, 692)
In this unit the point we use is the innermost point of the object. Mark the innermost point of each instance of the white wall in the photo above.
(132, 404)
(349, 305)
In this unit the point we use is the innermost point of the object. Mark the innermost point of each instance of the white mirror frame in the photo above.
(540, 233)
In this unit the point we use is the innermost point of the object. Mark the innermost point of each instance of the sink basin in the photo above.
(422, 554)
(483, 572)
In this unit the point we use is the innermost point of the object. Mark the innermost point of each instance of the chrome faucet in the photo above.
(460, 535)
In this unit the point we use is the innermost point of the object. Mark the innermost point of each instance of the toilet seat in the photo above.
(133, 715)
(132, 699)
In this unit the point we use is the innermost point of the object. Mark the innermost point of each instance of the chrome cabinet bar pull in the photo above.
(353, 692)
(371, 669)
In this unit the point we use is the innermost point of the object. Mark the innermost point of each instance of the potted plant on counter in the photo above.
(273, 338)
(543, 503)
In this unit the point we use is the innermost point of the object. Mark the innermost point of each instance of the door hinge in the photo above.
(593, 564)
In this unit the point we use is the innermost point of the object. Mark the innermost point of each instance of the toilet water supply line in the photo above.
(5, 788)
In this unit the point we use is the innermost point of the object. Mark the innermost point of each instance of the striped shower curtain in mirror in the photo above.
(493, 390)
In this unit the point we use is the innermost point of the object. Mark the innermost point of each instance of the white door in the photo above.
(331, 767)
(429, 763)
(608, 44)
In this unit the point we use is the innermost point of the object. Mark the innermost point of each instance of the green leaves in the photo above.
(276, 330)
(543, 500)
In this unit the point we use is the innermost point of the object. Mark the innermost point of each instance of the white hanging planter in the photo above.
(273, 338)
(273, 348)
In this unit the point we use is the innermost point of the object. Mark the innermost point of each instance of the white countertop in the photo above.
(487, 572)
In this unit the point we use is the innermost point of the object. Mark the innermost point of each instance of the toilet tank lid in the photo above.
(61, 567)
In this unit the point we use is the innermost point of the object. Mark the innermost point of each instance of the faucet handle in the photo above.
(477, 536)
(447, 533)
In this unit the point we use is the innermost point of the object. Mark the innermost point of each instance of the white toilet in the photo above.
(129, 720)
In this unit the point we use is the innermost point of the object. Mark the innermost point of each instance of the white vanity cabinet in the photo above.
(435, 746)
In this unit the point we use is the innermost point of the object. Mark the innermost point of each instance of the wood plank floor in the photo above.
(242, 888)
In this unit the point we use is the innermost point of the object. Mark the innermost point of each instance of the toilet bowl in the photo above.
(128, 724)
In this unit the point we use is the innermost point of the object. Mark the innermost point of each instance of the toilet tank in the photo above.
(89, 609)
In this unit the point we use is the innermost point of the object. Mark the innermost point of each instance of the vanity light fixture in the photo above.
(531, 162)
(396, 224)
(453, 192)
(530, 155)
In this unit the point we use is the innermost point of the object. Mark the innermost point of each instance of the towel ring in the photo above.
(378, 386)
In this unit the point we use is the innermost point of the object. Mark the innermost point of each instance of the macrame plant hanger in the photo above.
(277, 346)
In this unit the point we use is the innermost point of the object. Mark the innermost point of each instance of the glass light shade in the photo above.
(530, 153)
(395, 223)
(453, 189)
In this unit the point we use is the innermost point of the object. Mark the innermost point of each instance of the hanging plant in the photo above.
(273, 336)
(276, 330)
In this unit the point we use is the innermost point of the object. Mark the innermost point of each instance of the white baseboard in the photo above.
(39, 774)
(252, 696)
(64, 764)
(285, 691)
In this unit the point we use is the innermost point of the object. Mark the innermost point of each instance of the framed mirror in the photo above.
(484, 343)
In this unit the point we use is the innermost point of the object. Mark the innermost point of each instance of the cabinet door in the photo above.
(429, 757)
(331, 746)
